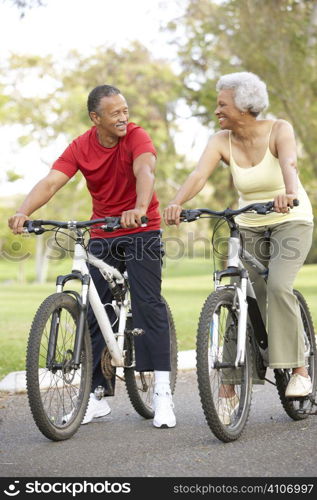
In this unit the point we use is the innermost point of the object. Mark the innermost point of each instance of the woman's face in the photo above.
(227, 113)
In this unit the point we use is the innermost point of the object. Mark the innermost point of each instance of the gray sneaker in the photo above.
(298, 386)
(227, 408)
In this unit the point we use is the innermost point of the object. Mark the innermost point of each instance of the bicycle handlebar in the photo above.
(191, 215)
(108, 224)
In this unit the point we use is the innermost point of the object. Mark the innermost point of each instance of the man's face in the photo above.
(112, 116)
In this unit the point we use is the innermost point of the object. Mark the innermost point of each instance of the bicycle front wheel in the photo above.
(57, 391)
(225, 391)
(299, 408)
(140, 385)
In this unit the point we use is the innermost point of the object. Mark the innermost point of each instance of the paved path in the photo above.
(125, 445)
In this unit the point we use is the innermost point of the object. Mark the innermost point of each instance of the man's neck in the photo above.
(106, 141)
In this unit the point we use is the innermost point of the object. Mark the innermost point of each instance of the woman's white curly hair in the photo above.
(249, 92)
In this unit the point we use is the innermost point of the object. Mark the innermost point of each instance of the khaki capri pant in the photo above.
(283, 255)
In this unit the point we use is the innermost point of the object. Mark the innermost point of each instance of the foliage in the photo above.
(23, 5)
(150, 86)
(48, 99)
(279, 45)
(276, 39)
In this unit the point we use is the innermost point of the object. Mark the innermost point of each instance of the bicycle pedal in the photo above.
(136, 331)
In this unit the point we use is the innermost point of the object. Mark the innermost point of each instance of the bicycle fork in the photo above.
(240, 300)
(242, 309)
(80, 328)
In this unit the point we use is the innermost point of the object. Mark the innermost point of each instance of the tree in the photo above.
(276, 39)
(23, 5)
(58, 108)
(150, 86)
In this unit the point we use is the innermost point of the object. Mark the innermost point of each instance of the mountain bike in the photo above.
(232, 339)
(59, 352)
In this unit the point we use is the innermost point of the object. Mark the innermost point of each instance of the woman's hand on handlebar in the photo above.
(171, 214)
(132, 218)
(283, 202)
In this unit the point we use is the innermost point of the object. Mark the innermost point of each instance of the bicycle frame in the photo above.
(114, 341)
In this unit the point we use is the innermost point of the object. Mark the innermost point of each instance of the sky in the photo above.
(83, 24)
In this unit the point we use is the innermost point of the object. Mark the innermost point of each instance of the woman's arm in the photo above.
(195, 181)
(286, 151)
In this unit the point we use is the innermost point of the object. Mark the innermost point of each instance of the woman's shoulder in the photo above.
(219, 143)
(220, 137)
(281, 124)
(282, 128)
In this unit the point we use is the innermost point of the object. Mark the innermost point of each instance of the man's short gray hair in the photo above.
(250, 93)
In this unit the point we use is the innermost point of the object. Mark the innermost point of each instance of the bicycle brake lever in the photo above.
(111, 226)
(189, 215)
(265, 208)
(31, 226)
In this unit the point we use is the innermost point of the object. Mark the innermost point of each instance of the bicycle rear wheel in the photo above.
(140, 385)
(299, 408)
(58, 393)
(217, 343)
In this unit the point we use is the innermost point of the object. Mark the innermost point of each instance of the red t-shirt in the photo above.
(109, 175)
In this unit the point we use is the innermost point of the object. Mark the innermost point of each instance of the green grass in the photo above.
(186, 284)
(187, 293)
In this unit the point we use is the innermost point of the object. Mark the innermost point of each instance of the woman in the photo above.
(262, 158)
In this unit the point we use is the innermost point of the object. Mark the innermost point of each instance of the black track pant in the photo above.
(141, 253)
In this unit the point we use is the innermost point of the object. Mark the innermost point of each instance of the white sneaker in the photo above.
(96, 408)
(163, 410)
(226, 408)
(298, 386)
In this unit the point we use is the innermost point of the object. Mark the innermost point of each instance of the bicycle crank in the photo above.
(107, 369)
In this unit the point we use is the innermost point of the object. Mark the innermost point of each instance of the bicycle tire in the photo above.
(58, 398)
(140, 386)
(212, 348)
(299, 408)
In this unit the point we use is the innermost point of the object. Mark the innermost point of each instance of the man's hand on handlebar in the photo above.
(16, 222)
(132, 218)
(171, 214)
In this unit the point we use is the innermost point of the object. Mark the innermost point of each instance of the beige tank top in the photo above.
(261, 183)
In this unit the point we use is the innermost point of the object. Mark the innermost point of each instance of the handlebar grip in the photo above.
(144, 220)
(114, 223)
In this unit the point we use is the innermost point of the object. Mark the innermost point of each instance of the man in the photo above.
(117, 159)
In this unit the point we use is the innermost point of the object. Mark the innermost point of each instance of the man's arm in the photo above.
(38, 196)
(143, 169)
